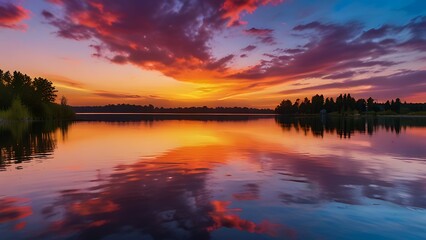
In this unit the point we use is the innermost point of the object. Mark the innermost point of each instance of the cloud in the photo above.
(114, 95)
(329, 50)
(381, 87)
(264, 35)
(168, 36)
(335, 51)
(382, 31)
(249, 48)
(234, 9)
(67, 83)
(221, 63)
(12, 15)
(172, 37)
(341, 75)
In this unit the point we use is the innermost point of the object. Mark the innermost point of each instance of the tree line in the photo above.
(129, 108)
(345, 103)
(31, 98)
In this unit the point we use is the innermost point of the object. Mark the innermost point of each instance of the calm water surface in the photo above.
(214, 178)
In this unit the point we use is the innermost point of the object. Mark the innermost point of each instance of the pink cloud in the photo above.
(170, 37)
(235, 8)
(12, 15)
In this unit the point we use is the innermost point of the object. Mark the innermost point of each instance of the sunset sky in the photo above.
(217, 52)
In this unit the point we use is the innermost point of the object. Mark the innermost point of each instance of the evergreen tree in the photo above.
(317, 103)
(370, 104)
(361, 105)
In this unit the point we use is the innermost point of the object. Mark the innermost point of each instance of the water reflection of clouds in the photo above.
(166, 197)
(223, 216)
(14, 209)
(191, 190)
(169, 196)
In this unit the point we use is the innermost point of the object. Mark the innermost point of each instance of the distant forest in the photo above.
(25, 98)
(345, 103)
(127, 108)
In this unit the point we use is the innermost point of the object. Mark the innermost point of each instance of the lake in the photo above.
(214, 177)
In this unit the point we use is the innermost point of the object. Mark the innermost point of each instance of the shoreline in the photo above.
(189, 116)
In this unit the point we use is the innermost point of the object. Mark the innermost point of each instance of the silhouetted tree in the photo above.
(329, 105)
(361, 105)
(387, 106)
(317, 103)
(339, 103)
(370, 104)
(44, 90)
(295, 107)
(37, 95)
(305, 106)
(350, 102)
(345, 103)
(64, 101)
(285, 107)
(397, 105)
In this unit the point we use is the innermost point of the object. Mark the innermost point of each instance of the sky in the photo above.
(217, 52)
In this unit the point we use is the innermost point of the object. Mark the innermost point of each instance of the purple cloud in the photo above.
(168, 36)
(264, 35)
(341, 75)
(11, 16)
(249, 48)
(402, 85)
(333, 49)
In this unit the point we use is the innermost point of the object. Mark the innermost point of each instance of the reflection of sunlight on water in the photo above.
(202, 139)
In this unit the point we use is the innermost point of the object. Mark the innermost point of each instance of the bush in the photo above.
(16, 112)
(53, 111)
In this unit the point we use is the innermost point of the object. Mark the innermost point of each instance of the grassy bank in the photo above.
(47, 111)
(423, 113)
(16, 112)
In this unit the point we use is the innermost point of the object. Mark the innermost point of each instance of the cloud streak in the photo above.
(414, 82)
(81, 87)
